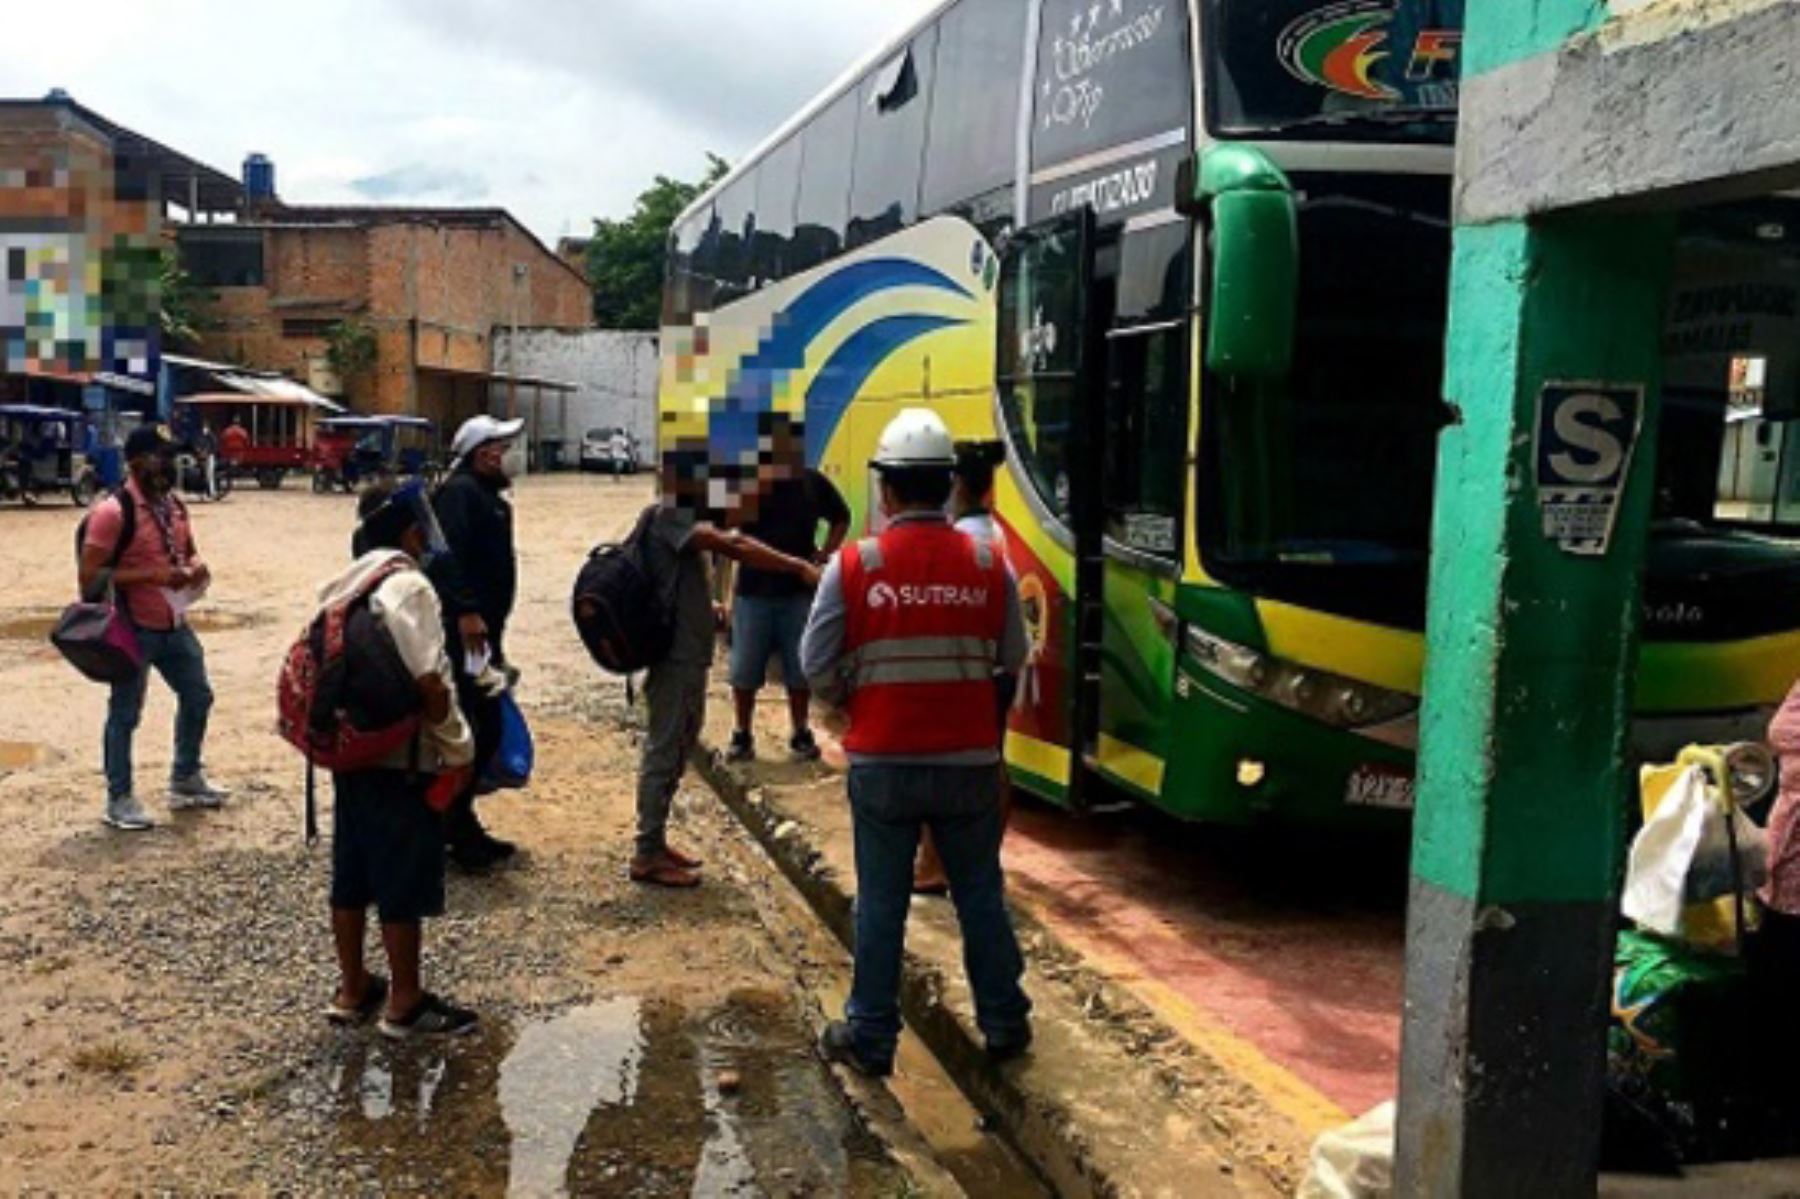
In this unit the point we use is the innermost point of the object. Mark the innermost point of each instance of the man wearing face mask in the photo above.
(140, 542)
(477, 583)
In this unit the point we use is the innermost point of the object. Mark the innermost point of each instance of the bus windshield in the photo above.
(1317, 487)
(1342, 70)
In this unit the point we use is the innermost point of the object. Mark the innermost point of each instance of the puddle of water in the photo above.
(36, 626)
(620, 1096)
(23, 755)
(559, 1072)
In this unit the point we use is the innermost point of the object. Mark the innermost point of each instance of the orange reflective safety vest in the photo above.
(924, 614)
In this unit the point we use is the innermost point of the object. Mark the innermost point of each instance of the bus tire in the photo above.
(268, 480)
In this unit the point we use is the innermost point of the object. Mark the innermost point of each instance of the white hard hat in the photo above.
(917, 437)
(477, 431)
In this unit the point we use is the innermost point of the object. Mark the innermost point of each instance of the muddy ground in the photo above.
(160, 993)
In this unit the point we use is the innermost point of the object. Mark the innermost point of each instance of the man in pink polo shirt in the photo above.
(156, 577)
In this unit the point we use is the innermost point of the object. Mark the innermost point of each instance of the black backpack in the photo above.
(127, 528)
(623, 611)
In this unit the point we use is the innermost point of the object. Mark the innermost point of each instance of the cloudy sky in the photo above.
(560, 110)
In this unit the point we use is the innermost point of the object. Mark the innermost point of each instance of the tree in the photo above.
(181, 303)
(625, 258)
(350, 348)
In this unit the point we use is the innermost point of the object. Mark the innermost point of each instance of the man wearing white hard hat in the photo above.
(910, 630)
(478, 585)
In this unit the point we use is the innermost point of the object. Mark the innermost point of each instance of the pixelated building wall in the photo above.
(80, 236)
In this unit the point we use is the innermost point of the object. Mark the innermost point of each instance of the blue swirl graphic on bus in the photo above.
(750, 390)
(849, 368)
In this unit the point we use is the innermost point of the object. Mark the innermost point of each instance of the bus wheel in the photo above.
(268, 480)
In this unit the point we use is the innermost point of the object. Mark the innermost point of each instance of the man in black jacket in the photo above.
(477, 585)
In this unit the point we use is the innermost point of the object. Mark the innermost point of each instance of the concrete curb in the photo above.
(1055, 1140)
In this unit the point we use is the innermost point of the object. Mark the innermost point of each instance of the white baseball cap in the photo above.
(477, 431)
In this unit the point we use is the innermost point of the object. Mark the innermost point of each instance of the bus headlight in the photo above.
(1328, 698)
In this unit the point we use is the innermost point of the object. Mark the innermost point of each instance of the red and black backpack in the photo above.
(346, 698)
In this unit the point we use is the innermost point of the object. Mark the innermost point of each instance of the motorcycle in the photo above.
(196, 480)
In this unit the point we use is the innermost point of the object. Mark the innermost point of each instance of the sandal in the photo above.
(431, 1016)
(374, 997)
(662, 871)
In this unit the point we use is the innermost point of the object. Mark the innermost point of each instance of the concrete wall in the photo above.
(616, 373)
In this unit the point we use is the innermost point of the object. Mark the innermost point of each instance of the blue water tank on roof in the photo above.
(259, 177)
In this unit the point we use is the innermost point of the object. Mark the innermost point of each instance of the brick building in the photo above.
(433, 285)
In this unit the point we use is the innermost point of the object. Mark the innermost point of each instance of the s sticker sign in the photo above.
(1587, 434)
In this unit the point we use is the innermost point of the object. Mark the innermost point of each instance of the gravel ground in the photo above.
(161, 992)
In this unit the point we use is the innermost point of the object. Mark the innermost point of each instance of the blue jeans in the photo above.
(961, 804)
(177, 656)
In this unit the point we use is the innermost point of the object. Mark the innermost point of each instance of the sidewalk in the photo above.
(1114, 1099)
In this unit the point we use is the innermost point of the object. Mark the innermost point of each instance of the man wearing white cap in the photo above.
(477, 586)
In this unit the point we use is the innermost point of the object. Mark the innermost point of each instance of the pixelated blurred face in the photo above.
(683, 476)
(783, 451)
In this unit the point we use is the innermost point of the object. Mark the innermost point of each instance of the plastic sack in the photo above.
(1355, 1161)
(1685, 879)
(511, 764)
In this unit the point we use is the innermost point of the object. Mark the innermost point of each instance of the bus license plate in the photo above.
(1373, 787)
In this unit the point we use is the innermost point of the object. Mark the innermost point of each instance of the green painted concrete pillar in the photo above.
(1532, 636)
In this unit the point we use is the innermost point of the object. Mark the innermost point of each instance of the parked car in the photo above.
(613, 451)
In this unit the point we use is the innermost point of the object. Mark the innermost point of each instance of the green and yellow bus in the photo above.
(1189, 260)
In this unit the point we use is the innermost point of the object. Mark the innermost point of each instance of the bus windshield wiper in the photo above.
(1381, 118)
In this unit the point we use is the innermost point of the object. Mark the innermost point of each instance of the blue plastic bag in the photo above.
(510, 767)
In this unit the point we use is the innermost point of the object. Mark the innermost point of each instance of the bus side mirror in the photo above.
(1248, 206)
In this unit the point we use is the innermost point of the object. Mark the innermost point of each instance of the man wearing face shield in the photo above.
(478, 581)
(140, 544)
(387, 845)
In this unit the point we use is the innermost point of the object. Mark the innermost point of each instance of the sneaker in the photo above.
(127, 815)
(742, 747)
(195, 791)
(803, 747)
(431, 1017)
(838, 1044)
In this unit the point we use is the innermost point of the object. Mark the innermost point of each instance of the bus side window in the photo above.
(704, 265)
(777, 191)
(890, 142)
(685, 294)
(1105, 73)
(828, 150)
(737, 228)
(974, 102)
